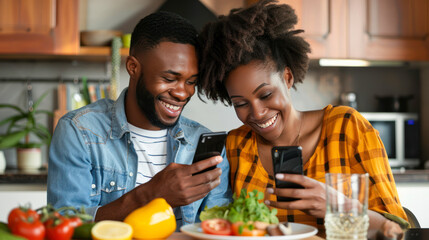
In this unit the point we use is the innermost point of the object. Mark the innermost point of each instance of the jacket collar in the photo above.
(120, 123)
(178, 131)
(119, 118)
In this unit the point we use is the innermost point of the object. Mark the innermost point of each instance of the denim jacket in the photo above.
(92, 161)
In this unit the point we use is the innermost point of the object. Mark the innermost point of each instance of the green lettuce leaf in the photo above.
(243, 209)
(214, 212)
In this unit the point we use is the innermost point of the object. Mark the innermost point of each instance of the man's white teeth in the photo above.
(268, 123)
(169, 106)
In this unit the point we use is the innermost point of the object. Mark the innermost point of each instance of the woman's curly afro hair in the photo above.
(263, 32)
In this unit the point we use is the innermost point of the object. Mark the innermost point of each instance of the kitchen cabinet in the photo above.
(96, 54)
(364, 29)
(393, 30)
(23, 16)
(39, 26)
(324, 24)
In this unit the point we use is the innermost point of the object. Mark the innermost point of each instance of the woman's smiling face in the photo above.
(260, 96)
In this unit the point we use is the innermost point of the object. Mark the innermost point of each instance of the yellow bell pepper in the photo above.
(154, 220)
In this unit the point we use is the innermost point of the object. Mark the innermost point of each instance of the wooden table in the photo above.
(182, 236)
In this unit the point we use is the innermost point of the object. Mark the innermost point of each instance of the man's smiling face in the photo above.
(166, 83)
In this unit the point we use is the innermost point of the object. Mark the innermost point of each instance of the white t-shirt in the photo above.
(151, 149)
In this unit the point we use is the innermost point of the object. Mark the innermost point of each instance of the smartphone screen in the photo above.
(287, 160)
(209, 145)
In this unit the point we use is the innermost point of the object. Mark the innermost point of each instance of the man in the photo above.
(115, 156)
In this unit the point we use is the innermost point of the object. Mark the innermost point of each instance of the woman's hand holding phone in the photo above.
(287, 159)
(311, 199)
(293, 189)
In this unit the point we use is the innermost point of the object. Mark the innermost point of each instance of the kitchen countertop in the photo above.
(41, 176)
(27, 177)
(411, 176)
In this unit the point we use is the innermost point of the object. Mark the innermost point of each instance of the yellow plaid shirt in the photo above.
(348, 144)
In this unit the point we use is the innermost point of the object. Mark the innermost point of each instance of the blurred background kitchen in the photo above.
(372, 55)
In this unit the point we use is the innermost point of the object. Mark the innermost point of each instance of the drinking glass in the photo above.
(346, 206)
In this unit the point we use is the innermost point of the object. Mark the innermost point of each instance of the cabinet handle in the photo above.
(53, 14)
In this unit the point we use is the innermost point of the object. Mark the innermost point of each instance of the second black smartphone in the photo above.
(209, 145)
(287, 159)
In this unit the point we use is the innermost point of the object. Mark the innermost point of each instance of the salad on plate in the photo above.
(245, 216)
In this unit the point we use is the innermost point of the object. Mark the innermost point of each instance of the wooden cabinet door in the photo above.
(389, 30)
(27, 16)
(324, 24)
(39, 26)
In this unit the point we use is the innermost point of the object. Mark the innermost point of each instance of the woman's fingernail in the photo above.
(270, 190)
(280, 176)
(219, 159)
(267, 202)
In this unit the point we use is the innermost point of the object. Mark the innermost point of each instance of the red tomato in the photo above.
(20, 214)
(216, 226)
(32, 230)
(59, 229)
(75, 221)
(246, 232)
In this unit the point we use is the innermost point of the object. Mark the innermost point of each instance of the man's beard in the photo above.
(146, 102)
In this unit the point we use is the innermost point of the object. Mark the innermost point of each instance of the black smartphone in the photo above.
(209, 145)
(287, 159)
(417, 234)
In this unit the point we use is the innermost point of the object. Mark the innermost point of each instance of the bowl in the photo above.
(98, 37)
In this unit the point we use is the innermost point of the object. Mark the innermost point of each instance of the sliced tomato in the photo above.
(216, 226)
(246, 232)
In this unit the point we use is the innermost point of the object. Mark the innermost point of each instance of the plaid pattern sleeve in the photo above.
(348, 144)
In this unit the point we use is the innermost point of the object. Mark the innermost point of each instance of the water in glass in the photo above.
(346, 226)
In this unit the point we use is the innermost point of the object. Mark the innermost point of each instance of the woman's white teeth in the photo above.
(268, 123)
(169, 106)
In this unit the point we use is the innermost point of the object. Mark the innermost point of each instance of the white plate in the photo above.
(299, 231)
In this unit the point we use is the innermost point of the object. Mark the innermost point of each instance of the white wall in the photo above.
(15, 195)
(215, 116)
(112, 14)
(123, 15)
(414, 196)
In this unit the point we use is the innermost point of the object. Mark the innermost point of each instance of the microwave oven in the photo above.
(400, 135)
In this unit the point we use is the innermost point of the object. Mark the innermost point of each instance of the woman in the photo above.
(251, 59)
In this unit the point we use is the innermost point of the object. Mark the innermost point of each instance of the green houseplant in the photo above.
(19, 128)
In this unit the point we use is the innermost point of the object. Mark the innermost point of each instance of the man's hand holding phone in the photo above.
(180, 185)
(209, 145)
(183, 184)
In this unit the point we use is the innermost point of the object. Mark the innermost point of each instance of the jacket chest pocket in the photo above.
(108, 182)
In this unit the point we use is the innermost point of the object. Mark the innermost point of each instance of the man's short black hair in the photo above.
(159, 27)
